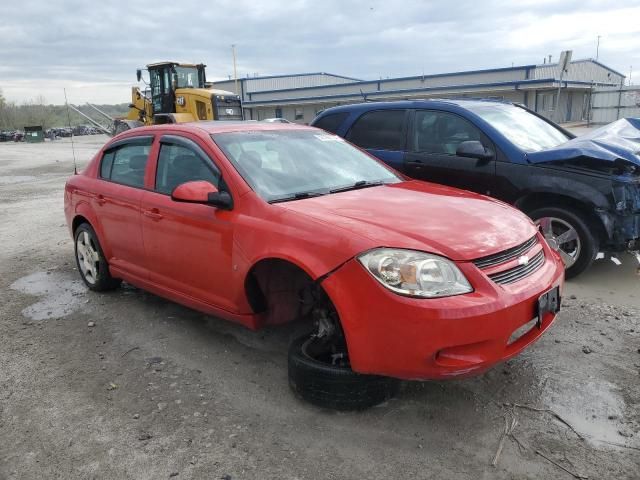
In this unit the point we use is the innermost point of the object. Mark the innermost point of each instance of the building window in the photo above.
(299, 114)
(278, 112)
(547, 101)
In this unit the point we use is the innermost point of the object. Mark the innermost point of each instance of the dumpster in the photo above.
(33, 134)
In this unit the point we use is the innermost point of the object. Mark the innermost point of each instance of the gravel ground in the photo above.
(128, 385)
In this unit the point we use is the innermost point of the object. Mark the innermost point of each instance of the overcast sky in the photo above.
(93, 48)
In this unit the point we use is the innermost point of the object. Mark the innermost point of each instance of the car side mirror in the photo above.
(474, 149)
(139, 74)
(200, 191)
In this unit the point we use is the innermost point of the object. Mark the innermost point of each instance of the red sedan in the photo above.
(266, 224)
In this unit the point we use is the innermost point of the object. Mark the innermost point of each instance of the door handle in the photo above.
(153, 214)
(100, 199)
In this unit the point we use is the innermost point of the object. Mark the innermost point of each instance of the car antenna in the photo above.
(73, 148)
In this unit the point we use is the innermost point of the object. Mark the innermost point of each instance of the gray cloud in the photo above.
(93, 48)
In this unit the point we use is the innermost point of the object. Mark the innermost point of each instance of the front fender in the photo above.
(300, 240)
(562, 186)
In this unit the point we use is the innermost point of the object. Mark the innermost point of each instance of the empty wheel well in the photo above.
(282, 291)
(77, 221)
(534, 201)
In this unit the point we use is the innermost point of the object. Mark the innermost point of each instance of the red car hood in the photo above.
(455, 223)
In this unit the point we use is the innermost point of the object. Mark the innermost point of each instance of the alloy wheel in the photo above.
(88, 257)
(562, 237)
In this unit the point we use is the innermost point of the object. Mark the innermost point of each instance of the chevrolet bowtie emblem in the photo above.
(523, 260)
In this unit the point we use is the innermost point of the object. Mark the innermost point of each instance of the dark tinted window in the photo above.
(380, 130)
(126, 164)
(331, 123)
(178, 164)
(441, 132)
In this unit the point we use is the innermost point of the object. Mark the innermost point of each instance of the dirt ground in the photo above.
(128, 385)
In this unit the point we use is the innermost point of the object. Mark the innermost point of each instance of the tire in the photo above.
(587, 243)
(335, 387)
(90, 260)
(120, 126)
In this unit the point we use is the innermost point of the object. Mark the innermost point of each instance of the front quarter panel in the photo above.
(518, 180)
(269, 231)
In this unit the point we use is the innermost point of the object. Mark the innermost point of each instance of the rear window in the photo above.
(126, 163)
(331, 122)
(379, 130)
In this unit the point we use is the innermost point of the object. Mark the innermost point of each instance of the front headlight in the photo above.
(413, 273)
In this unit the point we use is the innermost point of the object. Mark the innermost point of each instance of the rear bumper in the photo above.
(388, 334)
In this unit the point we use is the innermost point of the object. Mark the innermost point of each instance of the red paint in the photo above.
(194, 192)
(200, 256)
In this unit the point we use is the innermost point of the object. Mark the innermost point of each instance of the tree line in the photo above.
(15, 116)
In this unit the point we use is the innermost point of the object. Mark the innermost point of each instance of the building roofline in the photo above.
(401, 91)
(266, 77)
(584, 60)
(514, 84)
(413, 77)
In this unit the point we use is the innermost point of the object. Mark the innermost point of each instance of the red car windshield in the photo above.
(285, 165)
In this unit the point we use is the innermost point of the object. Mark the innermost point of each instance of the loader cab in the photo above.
(166, 77)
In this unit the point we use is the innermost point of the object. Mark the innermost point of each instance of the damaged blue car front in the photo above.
(583, 192)
(612, 151)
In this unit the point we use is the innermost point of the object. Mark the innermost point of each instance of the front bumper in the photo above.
(410, 338)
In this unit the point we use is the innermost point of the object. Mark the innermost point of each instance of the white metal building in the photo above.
(299, 98)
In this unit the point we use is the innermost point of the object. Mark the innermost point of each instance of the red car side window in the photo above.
(178, 164)
(126, 163)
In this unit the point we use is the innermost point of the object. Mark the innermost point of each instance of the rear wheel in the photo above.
(567, 231)
(320, 373)
(92, 265)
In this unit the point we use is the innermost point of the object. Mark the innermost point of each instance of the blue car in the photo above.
(583, 192)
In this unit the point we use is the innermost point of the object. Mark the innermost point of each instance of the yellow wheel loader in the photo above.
(177, 93)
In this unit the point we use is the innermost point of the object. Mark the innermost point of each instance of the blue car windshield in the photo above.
(282, 165)
(523, 129)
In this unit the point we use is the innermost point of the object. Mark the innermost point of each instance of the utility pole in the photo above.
(235, 71)
(630, 73)
(598, 47)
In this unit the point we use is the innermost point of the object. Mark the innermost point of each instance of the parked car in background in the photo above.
(6, 136)
(583, 192)
(269, 223)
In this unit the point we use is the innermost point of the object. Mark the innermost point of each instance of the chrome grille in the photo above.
(521, 271)
(505, 255)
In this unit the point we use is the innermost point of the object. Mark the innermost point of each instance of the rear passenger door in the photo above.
(433, 140)
(117, 203)
(382, 133)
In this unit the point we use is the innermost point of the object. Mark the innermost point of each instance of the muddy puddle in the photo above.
(58, 295)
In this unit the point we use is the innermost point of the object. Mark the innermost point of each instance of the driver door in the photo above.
(188, 246)
(433, 140)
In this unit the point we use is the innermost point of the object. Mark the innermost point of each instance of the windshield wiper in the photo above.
(359, 184)
(297, 196)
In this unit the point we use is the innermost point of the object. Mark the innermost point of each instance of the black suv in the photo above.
(583, 192)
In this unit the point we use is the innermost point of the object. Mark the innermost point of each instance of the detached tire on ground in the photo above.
(332, 386)
(578, 248)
